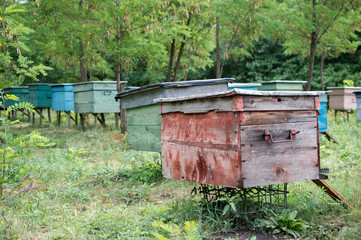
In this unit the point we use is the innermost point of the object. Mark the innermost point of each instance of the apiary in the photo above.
(282, 85)
(245, 86)
(342, 98)
(62, 97)
(241, 138)
(21, 92)
(143, 119)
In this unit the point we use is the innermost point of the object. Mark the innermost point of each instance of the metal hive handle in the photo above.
(268, 136)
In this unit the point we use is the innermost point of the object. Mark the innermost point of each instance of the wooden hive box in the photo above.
(282, 85)
(21, 92)
(245, 86)
(358, 103)
(96, 97)
(322, 118)
(342, 98)
(143, 119)
(40, 95)
(242, 138)
(62, 97)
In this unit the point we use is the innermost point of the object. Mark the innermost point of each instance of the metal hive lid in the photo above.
(241, 92)
(175, 85)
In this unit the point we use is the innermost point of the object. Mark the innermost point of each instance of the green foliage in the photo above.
(172, 231)
(282, 222)
(14, 65)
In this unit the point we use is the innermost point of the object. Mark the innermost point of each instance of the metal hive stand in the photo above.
(252, 199)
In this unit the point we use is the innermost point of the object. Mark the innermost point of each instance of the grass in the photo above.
(90, 186)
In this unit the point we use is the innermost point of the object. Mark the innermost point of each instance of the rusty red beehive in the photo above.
(241, 138)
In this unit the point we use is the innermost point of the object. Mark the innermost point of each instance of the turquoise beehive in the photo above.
(62, 97)
(40, 95)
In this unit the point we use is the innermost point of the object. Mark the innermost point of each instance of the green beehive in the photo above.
(21, 92)
(282, 85)
(96, 97)
(40, 95)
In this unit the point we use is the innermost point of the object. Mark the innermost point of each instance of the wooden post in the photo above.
(76, 119)
(12, 114)
(58, 117)
(23, 115)
(33, 118)
(103, 120)
(88, 118)
(68, 119)
(82, 120)
(116, 120)
(95, 120)
(29, 116)
(16, 114)
(41, 116)
(49, 115)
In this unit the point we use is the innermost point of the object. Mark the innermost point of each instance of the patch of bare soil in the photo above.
(247, 235)
(118, 137)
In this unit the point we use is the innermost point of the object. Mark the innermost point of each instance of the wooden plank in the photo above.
(273, 117)
(202, 148)
(145, 138)
(265, 163)
(116, 118)
(331, 192)
(144, 116)
(213, 128)
(95, 121)
(203, 165)
(68, 113)
(224, 104)
(278, 103)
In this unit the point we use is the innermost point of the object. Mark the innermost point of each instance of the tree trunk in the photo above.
(120, 87)
(90, 69)
(180, 53)
(311, 62)
(171, 57)
(218, 61)
(83, 70)
(321, 71)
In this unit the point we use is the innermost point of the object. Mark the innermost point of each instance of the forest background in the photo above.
(152, 41)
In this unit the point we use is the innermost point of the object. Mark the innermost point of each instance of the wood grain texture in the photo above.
(265, 163)
(257, 103)
(144, 116)
(202, 148)
(274, 117)
(145, 138)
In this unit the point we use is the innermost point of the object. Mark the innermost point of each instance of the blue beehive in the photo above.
(246, 86)
(322, 119)
(62, 97)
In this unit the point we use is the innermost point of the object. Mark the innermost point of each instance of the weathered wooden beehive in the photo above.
(21, 92)
(241, 138)
(62, 97)
(95, 97)
(143, 119)
(40, 95)
(282, 85)
(358, 103)
(245, 86)
(342, 98)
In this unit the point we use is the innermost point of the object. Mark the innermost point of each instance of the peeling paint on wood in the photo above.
(228, 147)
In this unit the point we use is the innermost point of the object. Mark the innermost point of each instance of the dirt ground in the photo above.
(247, 235)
